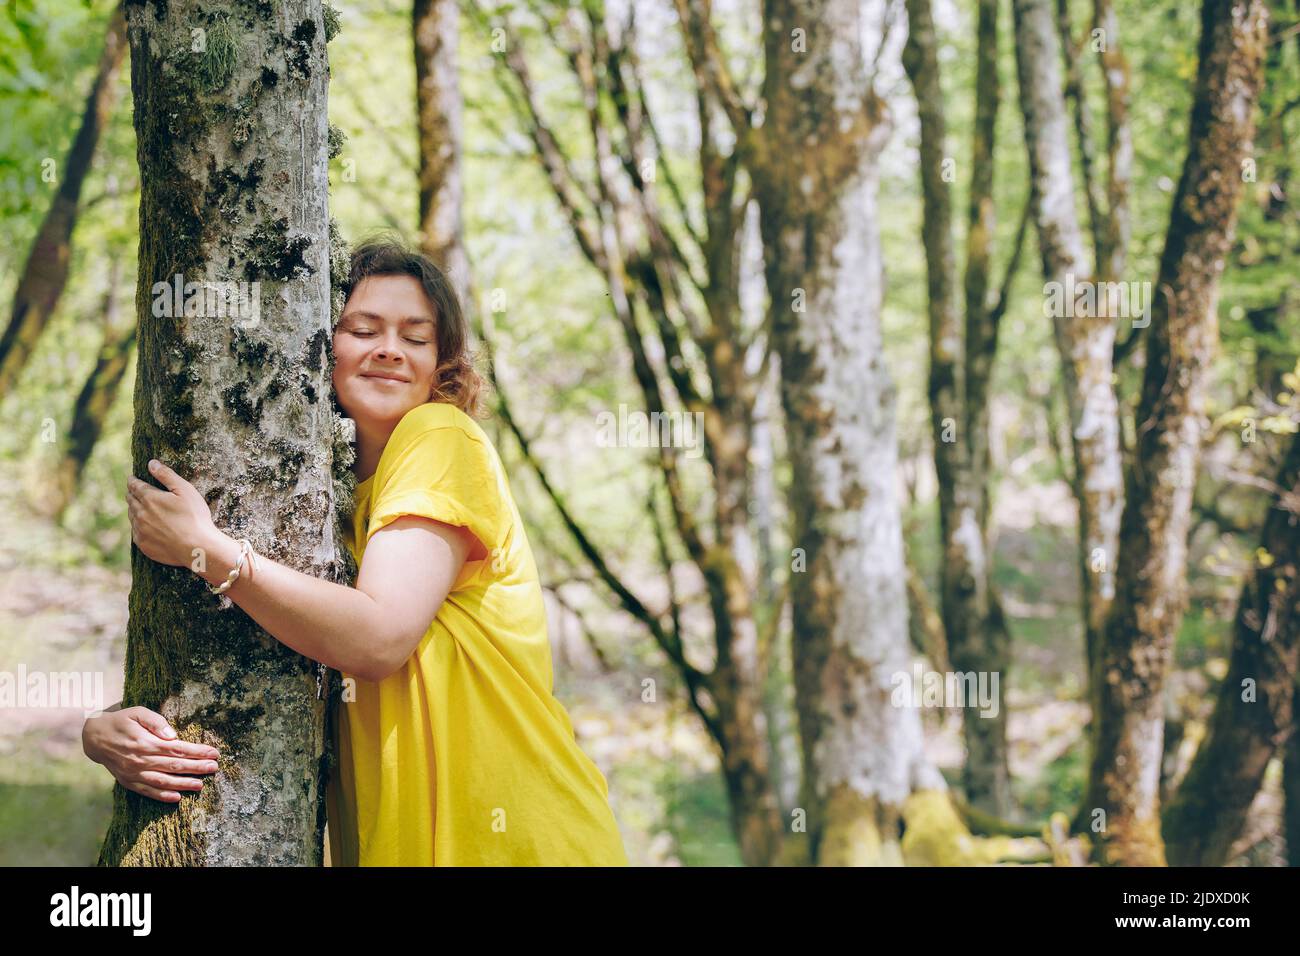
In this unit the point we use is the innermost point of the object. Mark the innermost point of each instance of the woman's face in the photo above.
(385, 351)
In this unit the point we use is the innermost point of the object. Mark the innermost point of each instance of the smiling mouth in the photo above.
(385, 378)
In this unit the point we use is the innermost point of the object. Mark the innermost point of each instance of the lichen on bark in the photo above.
(234, 187)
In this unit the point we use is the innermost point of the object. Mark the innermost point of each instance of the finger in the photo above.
(153, 722)
(157, 763)
(183, 748)
(166, 796)
(167, 781)
(170, 480)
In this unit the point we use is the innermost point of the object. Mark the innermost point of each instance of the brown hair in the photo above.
(455, 381)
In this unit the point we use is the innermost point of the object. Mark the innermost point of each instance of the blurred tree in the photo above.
(1085, 337)
(813, 159)
(1137, 648)
(46, 272)
(232, 144)
(961, 365)
(435, 28)
(1254, 712)
(96, 397)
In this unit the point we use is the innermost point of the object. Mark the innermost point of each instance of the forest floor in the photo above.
(61, 610)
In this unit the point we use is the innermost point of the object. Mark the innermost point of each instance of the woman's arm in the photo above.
(406, 572)
(408, 569)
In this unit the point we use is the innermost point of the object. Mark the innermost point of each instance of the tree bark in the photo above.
(232, 146)
(436, 31)
(1085, 341)
(1254, 713)
(960, 362)
(46, 272)
(814, 166)
(1181, 341)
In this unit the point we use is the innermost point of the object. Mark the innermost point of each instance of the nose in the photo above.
(385, 351)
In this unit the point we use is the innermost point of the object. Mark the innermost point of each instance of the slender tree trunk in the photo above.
(96, 397)
(815, 175)
(232, 145)
(1085, 340)
(1118, 223)
(1139, 637)
(435, 27)
(978, 641)
(1255, 712)
(46, 273)
(1291, 798)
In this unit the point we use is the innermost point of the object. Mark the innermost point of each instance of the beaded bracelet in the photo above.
(245, 551)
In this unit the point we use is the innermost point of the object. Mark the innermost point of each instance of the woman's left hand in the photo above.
(168, 525)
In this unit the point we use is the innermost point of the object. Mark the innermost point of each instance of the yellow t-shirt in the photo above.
(463, 757)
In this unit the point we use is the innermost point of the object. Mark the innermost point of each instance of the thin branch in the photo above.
(709, 64)
(670, 644)
(568, 188)
(587, 632)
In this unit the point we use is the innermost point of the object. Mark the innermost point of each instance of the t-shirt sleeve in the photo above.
(447, 474)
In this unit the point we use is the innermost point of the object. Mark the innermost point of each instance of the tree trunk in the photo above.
(435, 27)
(1085, 341)
(1254, 713)
(1148, 608)
(960, 362)
(232, 145)
(1291, 798)
(815, 176)
(46, 273)
(94, 400)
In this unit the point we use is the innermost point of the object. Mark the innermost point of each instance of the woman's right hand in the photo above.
(141, 750)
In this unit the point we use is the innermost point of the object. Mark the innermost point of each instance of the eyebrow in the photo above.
(410, 319)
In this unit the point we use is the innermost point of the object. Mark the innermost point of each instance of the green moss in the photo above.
(216, 64)
(340, 266)
(337, 138)
(332, 24)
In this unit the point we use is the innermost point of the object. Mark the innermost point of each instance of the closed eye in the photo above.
(366, 334)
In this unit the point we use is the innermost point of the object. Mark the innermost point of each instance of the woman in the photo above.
(454, 750)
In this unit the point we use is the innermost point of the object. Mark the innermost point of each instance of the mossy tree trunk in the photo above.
(1255, 711)
(961, 361)
(232, 144)
(814, 166)
(1137, 648)
(46, 272)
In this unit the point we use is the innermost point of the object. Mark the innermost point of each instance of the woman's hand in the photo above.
(140, 749)
(168, 525)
